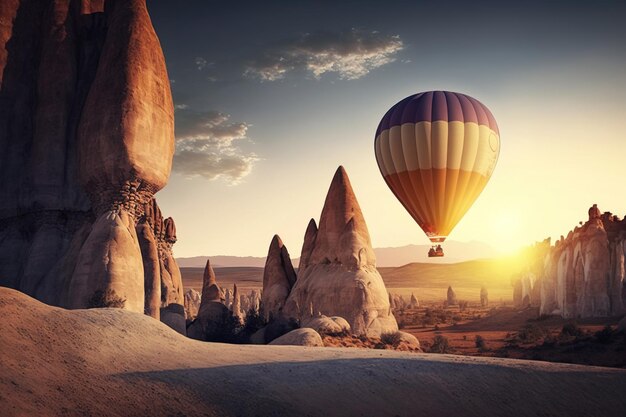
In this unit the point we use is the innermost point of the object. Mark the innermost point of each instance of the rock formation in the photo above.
(210, 290)
(582, 275)
(300, 337)
(451, 297)
(337, 273)
(484, 296)
(86, 140)
(236, 306)
(327, 325)
(192, 304)
(414, 303)
(212, 317)
(278, 278)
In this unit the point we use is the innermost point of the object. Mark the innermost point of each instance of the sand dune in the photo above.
(116, 363)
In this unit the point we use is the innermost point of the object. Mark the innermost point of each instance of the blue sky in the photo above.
(272, 97)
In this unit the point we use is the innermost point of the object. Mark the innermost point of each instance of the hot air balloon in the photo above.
(436, 151)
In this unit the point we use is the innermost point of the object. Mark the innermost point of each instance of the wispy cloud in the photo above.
(349, 55)
(206, 146)
(202, 63)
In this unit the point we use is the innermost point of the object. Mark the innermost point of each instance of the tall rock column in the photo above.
(124, 157)
(337, 274)
(278, 279)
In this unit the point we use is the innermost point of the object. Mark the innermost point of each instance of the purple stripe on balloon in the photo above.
(437, 106)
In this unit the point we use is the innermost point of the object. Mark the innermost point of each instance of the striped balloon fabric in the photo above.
(436, 151)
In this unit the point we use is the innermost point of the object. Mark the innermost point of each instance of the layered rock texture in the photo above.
(337, 275)
(581, 275)
(86, 140)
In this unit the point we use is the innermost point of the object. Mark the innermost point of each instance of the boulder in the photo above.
(174, 316)
(300, 337)
(278, 278)
(327, 325)
(338, 276)
(407, 340)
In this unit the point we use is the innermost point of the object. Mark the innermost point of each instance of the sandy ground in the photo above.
(111, 362)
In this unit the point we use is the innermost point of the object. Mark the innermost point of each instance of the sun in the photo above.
(506, 228)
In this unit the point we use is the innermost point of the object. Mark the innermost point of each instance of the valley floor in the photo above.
(109, 362)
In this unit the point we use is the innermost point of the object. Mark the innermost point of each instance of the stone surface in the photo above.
(451, 297)
(326, 325)
(210, 289)
(582, 275)
(408, 340)
(278, 279)
(339, 275)
(300, 337)
(110, 259)
(484, 296)
(86, 140)
(192, 304)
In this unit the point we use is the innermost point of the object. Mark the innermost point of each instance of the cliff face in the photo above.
(582, 275)
(86, 140)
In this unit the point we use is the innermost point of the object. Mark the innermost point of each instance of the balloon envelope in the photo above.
(436, 151)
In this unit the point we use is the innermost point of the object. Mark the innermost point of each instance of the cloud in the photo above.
(350, 55)
(202, 63)
(206, 146)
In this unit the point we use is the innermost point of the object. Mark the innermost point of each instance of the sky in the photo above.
(271, 97)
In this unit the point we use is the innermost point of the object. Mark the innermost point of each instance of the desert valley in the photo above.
(101, 317)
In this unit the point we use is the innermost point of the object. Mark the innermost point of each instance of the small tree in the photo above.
(480, 343)
(440, 345)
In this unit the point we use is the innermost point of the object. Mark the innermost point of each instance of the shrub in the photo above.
(605, 335)
(391, 338)
(106, 299)
(571, 329)
(440, 345)
(530, 333)
(254, 321)
(480, 343)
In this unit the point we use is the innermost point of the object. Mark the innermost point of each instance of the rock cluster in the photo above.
(337, 275)
(581, 275)
(87, 139)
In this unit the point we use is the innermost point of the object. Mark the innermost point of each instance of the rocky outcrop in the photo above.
(192, 304)
(86, 140)
(210, 290)
(278, 279)
(414, 303)
(337, 274)
(484, 296)
(300, 337)
(582, 275)
(451, 299)
(235, 308)
(327, 325)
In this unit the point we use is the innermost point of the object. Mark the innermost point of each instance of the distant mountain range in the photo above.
(385, 257)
